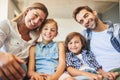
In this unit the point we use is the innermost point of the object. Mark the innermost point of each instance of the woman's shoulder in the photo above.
(7, 22)
(5, 25)
(4, 22)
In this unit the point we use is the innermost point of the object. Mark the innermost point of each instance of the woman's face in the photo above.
(74, 45)
(34, 18)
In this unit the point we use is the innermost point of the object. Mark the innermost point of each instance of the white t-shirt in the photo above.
(84, 66)
(105, 53)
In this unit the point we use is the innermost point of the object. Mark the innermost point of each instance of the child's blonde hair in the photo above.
(47, 21)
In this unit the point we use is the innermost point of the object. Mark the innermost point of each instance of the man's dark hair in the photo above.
(78, 9)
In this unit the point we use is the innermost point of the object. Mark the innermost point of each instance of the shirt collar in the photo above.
(42, 45)
(110, 29)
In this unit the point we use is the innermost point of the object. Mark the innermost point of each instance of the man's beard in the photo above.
(94, 26)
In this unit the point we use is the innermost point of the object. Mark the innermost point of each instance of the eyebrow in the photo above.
(83, 17)
(85, 14)
(38, 15)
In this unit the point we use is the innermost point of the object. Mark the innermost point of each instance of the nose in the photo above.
(48, 31)
(36, 20)
(86, 21)
(73, 44)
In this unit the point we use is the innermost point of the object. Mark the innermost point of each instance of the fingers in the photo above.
(97, 77)
(18, 69)
(116, 74)
(10, 68)
(2, 76)
(19, 60)
(8, 73)
(14, 71)
(100, 77)
(37, 78)
(111, 76)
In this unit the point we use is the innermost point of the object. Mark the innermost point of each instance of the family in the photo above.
(93, 54)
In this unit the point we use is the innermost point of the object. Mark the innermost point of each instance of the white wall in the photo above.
(3, 12)
(66, 26)
(12, 9)
(112, 14)
(3, 9)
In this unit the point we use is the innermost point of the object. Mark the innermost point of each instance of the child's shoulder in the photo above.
(60, 42)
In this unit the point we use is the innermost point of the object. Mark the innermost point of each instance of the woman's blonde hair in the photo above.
(36, 5)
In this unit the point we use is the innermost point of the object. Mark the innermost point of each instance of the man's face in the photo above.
(87, 19)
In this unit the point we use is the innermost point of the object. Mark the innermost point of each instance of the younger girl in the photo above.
(47, 58)
(81, 63)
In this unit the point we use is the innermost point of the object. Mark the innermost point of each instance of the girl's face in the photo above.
(34, 18)
(74, 45)
(48, 32)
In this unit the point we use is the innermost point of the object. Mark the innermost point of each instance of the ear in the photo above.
(56, 34)
(94, 12)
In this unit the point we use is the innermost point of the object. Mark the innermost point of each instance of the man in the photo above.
(103, 40)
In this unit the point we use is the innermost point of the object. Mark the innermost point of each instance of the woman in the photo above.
(17, 36)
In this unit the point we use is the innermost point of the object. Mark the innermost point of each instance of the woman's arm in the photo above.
(10, 65)
(61, 66)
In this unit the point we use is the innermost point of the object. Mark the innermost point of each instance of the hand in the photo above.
(37, 76)
(10, 68)
(110, 75)
(49, 78)
(95, 76)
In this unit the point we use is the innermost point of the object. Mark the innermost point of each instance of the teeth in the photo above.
(47, 35)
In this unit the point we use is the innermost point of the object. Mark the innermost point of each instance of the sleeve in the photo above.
(4, 31)
(68, 60)
(115, 39)
(91, 61)
(117, 31)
